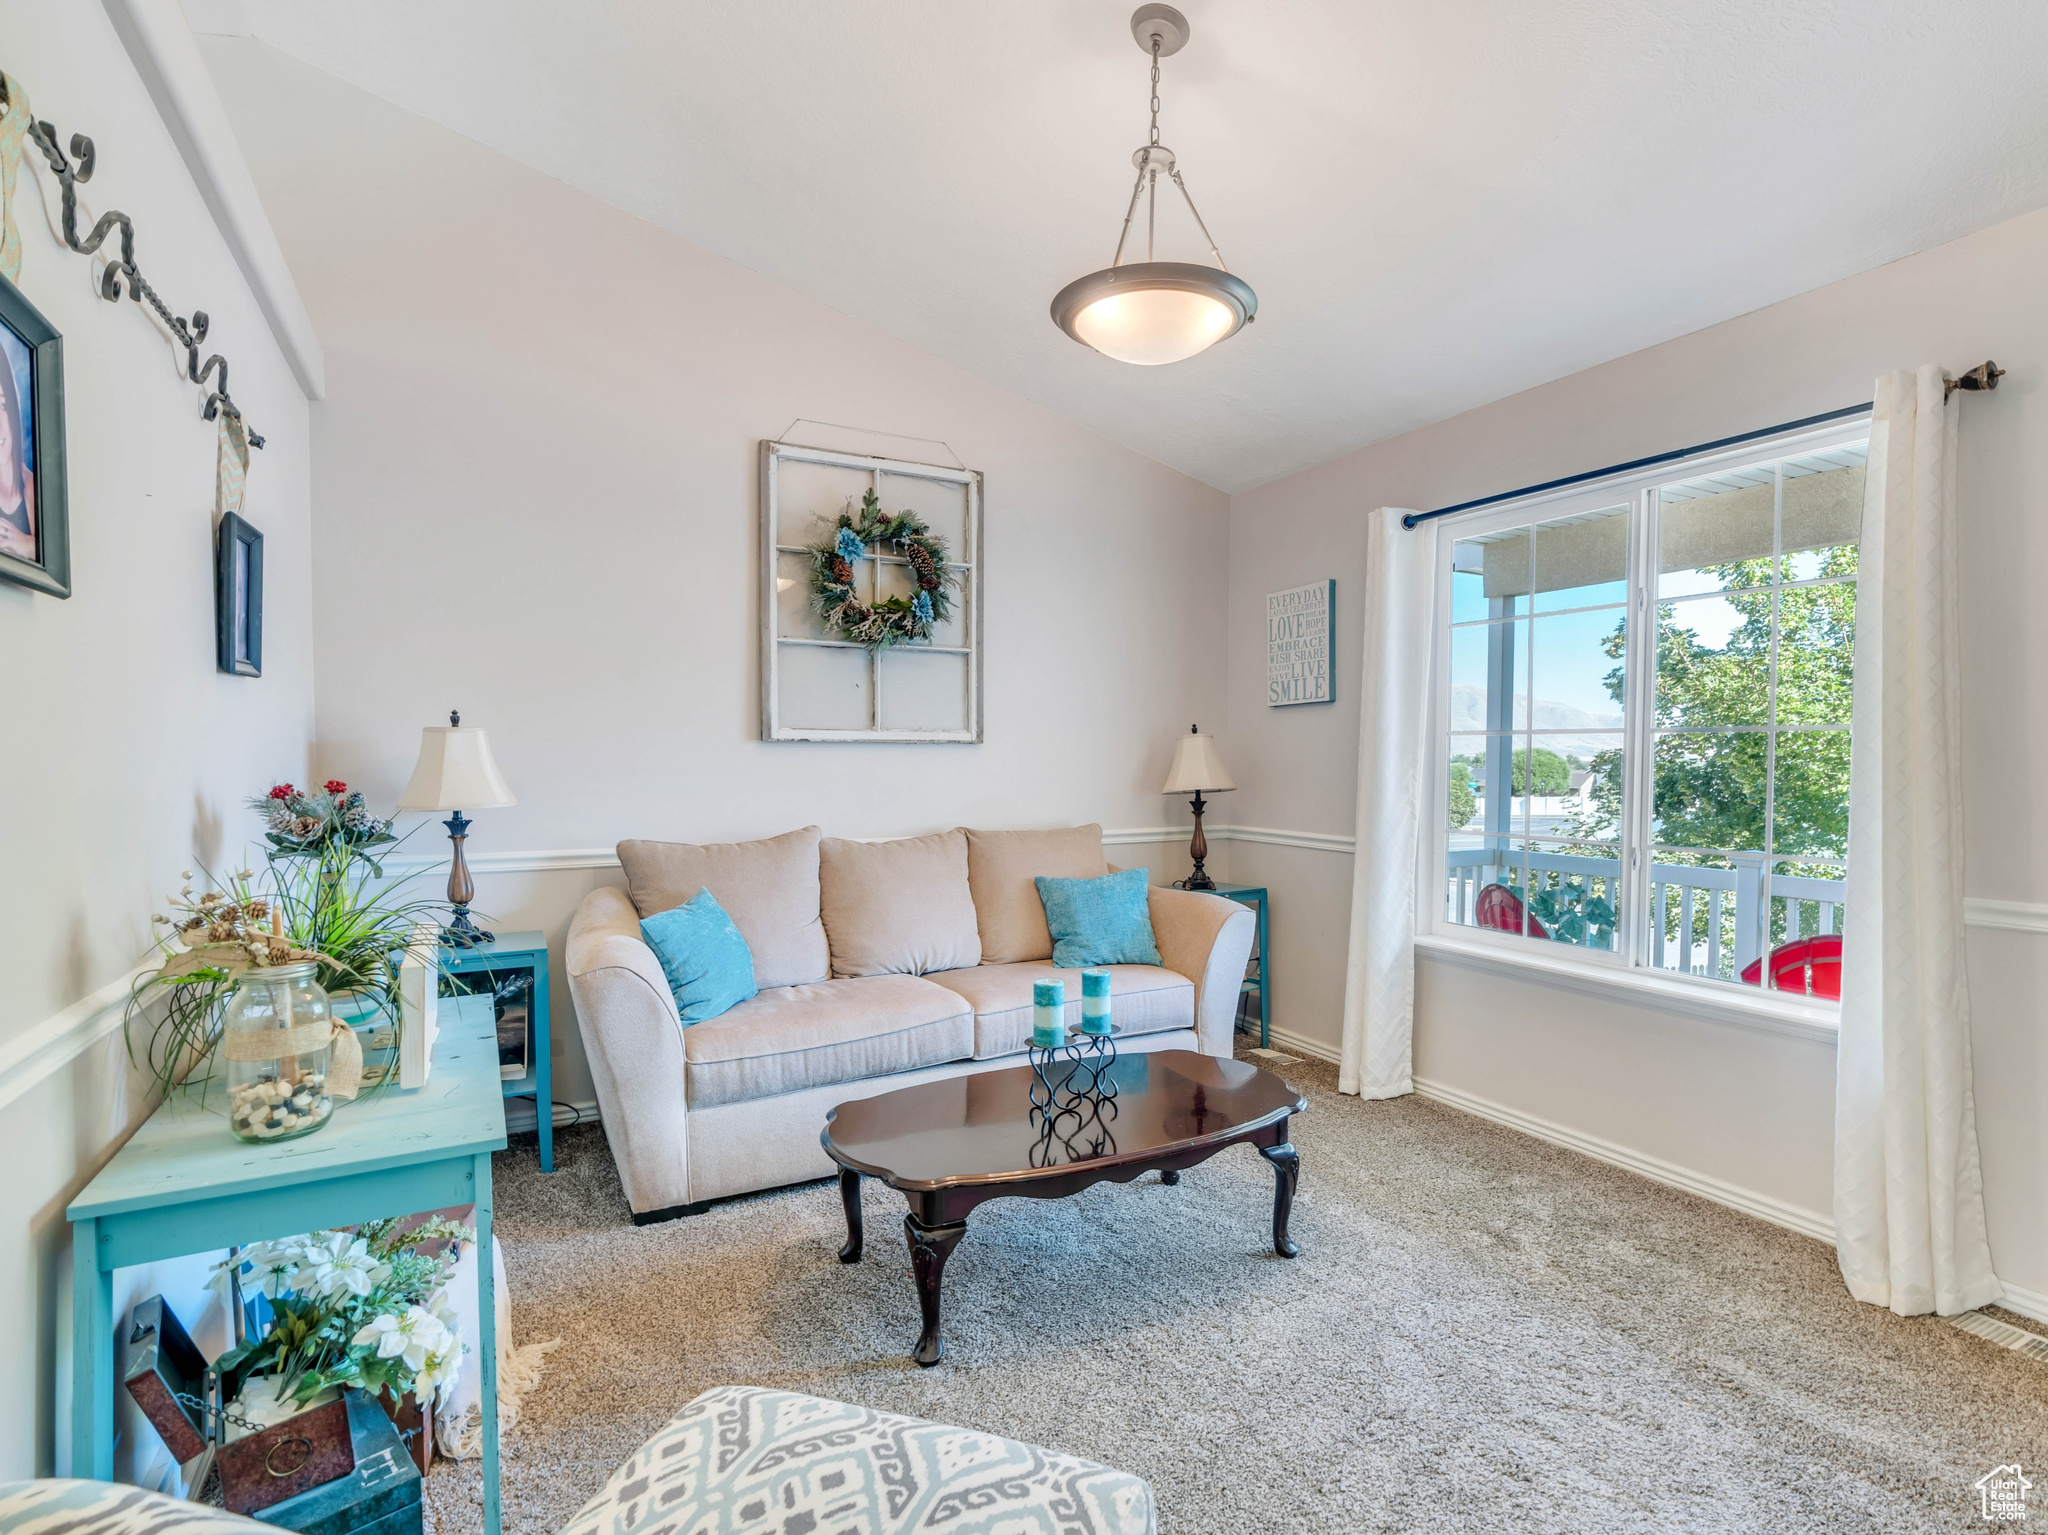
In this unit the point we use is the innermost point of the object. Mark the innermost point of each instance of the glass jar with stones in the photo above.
(276, 1038)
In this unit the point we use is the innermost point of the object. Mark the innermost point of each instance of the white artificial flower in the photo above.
(409, 1339)
(438, 1374)
(335, 1262)
(271, 1265)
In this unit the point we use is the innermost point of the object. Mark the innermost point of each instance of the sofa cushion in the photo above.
(1106, 921)
(1001, 866)
(769, 889)
(897, 908)
(703, 955)
(830, 1031)
(1143, 999)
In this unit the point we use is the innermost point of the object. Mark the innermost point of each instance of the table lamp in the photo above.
(1197, 770)
(455, 770)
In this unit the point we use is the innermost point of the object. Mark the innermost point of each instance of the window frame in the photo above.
(1629, 961)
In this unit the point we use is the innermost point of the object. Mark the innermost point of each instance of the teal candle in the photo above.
(1048, 1014)
(1095, 1002)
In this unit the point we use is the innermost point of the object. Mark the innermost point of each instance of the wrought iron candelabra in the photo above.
(1073, 1099)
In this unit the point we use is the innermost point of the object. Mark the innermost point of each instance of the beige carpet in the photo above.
(1482, 1333)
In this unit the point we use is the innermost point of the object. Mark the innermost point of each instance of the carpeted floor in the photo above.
(1482, 1333)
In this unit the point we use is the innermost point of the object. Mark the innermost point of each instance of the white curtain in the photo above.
(1909, 1199)
(1393, 748)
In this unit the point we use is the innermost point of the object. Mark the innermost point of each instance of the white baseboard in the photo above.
(2031, 1304)
(1762, 1206)
(1301, 1044)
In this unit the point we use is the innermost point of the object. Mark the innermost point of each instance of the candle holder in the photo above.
(1073, 1098)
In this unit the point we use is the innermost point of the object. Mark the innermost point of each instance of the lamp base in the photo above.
(464, 934)
(1198, 881)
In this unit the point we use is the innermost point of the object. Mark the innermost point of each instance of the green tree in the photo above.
(1462, 803)
(1716, 788)
(1552, 774)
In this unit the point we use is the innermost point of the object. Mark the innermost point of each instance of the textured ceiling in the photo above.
(1439, 202)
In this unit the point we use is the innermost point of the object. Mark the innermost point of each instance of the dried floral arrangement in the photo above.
(325, 899)
(892, 620)
(366, 1308)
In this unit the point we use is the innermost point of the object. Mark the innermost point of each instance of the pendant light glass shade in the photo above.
(1153, 312)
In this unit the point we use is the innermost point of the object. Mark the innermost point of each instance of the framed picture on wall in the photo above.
(35, 529)
(238, 597)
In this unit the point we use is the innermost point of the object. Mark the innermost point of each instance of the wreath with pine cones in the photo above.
(891, 620)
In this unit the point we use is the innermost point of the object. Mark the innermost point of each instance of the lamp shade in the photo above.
(455, 772)
(1196, 768)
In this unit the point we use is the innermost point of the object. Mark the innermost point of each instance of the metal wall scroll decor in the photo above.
(1073, 1100)
(123, 277)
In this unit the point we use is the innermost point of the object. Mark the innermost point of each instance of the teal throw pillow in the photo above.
(1106, 921)
(708, 964)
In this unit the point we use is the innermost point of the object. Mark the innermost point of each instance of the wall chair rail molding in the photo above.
(32, 1056)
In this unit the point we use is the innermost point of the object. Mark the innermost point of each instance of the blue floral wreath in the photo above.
(891, 620)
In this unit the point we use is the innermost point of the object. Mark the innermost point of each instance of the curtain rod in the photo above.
(1984, 376)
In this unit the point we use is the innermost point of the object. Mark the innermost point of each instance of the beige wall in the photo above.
(125, 755)
(1745, 1107)
(535, 474)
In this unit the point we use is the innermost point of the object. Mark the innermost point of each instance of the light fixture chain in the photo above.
(1155, 92)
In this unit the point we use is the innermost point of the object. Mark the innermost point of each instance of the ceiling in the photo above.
(1439, 202)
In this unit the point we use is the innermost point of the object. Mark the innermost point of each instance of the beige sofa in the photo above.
(880, 964)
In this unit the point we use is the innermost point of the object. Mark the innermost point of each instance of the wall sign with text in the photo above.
(1299, 629)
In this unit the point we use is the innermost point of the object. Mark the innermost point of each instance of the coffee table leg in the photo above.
(849, 1196)
(930, 1247)
(1169, 1175)
(1286, 1171)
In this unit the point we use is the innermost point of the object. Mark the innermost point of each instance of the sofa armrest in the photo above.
(1208, 939)
(634, 1042)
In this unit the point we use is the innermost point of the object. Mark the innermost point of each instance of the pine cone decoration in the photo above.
(921, 562)
(853, 614)
(842, 572)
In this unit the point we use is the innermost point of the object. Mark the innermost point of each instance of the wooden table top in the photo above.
(978, 1129)
(185, 1152)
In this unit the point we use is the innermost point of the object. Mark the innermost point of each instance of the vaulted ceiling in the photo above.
(1438, 203)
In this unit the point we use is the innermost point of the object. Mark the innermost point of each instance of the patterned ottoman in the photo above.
(743, 1461)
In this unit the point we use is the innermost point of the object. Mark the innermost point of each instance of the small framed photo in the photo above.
(35, 528)
(238, 597)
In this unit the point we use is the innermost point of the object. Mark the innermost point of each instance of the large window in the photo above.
(1644, 707)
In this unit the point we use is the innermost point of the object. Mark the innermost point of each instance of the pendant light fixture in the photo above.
(1151, 312)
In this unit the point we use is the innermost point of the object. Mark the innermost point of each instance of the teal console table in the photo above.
(184, 1184)
(513, 967)
(1255, 895)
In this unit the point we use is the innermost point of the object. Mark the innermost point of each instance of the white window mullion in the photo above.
(1639, 719)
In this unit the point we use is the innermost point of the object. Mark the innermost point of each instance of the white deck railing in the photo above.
(1715, 909)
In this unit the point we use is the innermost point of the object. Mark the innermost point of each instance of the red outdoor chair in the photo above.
(1810, 965)
(1501, 909)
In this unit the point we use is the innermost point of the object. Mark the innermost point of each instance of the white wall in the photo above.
(535, 478)
(125, 755)
(1744, 1107)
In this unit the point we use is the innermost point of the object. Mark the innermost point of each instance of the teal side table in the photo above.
(1261, 982)
(184, 1184)
(513, 968)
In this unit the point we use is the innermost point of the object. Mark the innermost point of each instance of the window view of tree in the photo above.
(1462, 800)
(1748, 743)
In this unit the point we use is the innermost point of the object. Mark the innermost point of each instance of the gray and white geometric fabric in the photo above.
(740, 1460)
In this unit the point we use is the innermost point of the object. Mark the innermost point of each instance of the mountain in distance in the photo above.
(1557, 723)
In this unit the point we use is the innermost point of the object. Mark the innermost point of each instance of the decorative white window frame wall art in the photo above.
(1300, 631)
(806, 674)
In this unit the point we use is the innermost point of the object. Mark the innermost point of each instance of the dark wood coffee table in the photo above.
(947, 1146)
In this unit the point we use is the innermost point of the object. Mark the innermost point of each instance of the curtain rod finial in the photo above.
(1984, 376)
